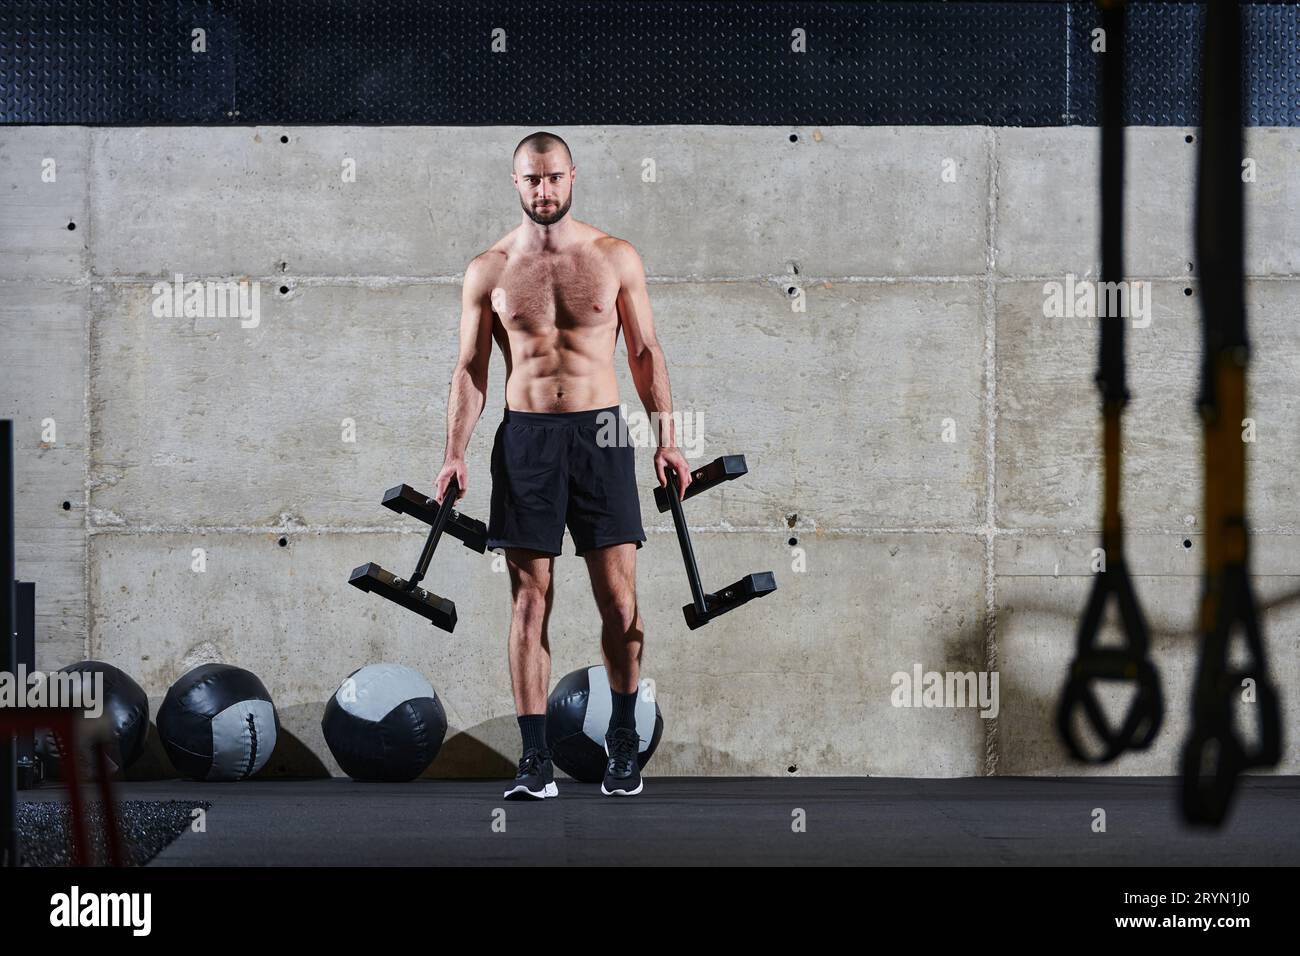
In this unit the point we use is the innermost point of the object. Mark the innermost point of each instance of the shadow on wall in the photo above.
(292, 759)
(463, 754)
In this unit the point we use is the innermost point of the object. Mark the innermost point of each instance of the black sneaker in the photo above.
(536, 777)
(622, 772)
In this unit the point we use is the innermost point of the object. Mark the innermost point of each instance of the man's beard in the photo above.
(551, 216)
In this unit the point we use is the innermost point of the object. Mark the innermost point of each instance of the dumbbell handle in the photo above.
(684, 539)
(435, 532)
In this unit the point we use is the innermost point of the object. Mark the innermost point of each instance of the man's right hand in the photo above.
(454, 468)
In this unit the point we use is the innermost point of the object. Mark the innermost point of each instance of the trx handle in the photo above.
(1215, 754)
(1128, 663)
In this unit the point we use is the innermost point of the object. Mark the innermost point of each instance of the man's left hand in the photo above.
(673, 458)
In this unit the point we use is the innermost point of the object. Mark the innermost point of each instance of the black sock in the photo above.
(533, 729)
(624, 713)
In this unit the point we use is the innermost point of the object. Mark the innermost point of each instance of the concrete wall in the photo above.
(924, 303)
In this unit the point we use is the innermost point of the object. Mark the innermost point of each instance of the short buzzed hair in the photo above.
(541, 142)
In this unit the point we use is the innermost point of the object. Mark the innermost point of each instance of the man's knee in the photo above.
(530, 602)
(618, 613)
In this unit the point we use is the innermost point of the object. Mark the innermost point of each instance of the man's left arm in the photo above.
(645, 358)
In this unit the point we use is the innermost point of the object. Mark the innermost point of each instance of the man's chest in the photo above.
(544, 291)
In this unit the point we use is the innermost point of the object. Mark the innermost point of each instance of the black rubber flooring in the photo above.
(706, 821)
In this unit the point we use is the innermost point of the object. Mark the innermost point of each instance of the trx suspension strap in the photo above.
(1129, 662)
(1214, 753)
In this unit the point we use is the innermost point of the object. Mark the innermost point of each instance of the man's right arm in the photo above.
(468, 393)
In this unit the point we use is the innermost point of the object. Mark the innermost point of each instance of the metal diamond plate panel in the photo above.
(613, 62)
(1164, 78)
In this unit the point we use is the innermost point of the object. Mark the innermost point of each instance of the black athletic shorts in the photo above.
(549, 469)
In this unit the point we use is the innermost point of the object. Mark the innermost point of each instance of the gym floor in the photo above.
(691, 821)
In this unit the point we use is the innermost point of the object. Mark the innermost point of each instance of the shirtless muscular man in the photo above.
(554, 293)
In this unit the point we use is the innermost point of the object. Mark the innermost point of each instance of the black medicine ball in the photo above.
(125, 706)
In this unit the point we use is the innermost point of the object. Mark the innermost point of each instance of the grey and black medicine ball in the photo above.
(577, 717)
(218, 723)
(385, 722)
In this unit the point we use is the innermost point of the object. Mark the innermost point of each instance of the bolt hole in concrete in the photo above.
(792, 769)
(284, 542)
(284, 139)
(1187, 542)
(794, 137)
(71, 226)
(284, 290)
(1189, 138)
(793, 542)
(67, 506)
(1187, 291)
